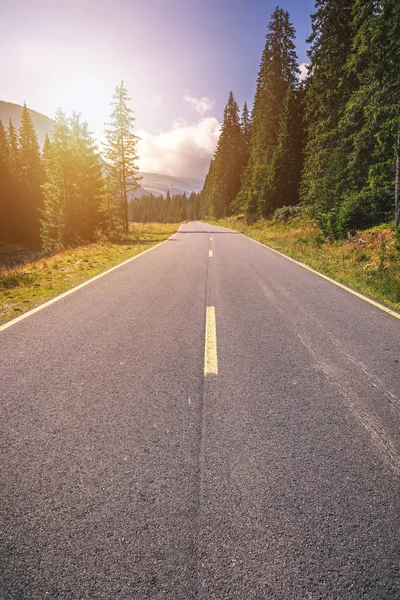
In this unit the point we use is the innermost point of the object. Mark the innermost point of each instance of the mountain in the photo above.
(157, 184)
(42, 124)
(152, 183)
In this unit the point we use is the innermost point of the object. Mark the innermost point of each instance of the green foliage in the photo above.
(352, 112)
(223, 179)
(172, 209)
(286, 213)
(287, 159)
(356, 211)
(6, 181)
(121, 157)
(326, 93)
(31, 175)
(245, 124)
(21, 176)
(273, 153)
(74, 185)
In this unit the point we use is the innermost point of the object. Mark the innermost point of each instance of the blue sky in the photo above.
(178, 58)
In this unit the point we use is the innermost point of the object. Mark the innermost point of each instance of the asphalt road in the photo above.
(128, 473)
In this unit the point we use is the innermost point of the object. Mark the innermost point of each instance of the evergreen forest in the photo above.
(328, 145)
(67, 193)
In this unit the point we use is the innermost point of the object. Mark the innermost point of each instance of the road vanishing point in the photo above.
(207, 421)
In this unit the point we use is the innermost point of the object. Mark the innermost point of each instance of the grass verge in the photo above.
(23, 287)
(368, 262)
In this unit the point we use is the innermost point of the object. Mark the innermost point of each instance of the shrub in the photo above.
(357, 211)
(285, 213)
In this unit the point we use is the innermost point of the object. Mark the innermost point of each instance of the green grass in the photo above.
(22, 288)
(369, 263)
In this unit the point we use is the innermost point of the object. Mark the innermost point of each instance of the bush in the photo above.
(285, 213)
(357, 211)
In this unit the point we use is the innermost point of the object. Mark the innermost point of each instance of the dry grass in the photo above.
(23, 287)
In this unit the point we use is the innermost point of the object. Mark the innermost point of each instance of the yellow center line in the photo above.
(210, 254)
(210, 350)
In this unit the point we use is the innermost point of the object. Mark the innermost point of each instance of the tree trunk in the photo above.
(397, 188)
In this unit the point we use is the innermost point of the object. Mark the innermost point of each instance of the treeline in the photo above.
(65, 194)
(171, 209)
(22, 175)
(328, 143)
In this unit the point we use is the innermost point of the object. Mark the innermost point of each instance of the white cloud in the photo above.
(303, 71)
(185, 150)
(201, 105)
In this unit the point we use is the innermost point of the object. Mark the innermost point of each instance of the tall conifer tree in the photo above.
(59, 187)
(5, 185)
(17, 221)
(88, 179)
(223, 182)
(14, 155)
(74, 185)
(369, 124)
(31, 174)
(245, 123)
(327, 90)
(285, 168)
(121, 154)
(278, 72)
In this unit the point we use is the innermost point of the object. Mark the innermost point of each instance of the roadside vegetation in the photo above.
(368, 260)
(314, 169)
(330, 141)
(34, 282)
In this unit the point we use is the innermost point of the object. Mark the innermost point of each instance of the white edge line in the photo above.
(40, 307)
(337, 283)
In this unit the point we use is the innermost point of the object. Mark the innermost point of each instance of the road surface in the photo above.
(208, 421)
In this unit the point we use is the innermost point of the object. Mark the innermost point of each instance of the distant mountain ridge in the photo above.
(157, 184)
(152, 183)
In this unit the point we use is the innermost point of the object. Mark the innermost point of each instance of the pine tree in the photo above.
(74, 186)
(326, 92)
(278, 72)
(168, 208)
(121, 155)
(88, 179)
(287, 160)
(206, 195)
(370, 120)
(226, 168)
(14, 153)
(59, 187)
(245, 124)
(193, 206)
(5, 185)
(31, 174)
(16, 219)
(46, 147)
